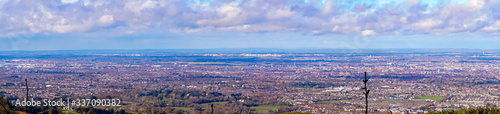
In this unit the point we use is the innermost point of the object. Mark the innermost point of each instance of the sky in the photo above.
(286, 24)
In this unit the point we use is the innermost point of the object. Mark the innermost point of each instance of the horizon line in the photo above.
(250, 49)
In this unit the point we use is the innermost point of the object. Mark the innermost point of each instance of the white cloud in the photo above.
(280, 13)
(190, 30)
(226, 15)
(229, 14)
(412, 2)
(253, 28)
(428, 23)
(493, 27)
(336, 28)
(476, 4)
(368, 32)
(69, 1)
(138, 6)
(328, 7)
(105, 20)
(403, 19)
(333, 17)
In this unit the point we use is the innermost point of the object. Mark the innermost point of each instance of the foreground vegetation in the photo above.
(479, 110)
(168, 100)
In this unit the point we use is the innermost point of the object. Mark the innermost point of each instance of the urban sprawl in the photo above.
(259, 81)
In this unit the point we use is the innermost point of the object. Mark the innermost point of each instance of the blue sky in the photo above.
(206, 24)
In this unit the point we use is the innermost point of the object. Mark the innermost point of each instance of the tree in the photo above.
(53, 110)
(5, 105)
(111, 110)
(121, 112)
(91, 111)
(478, 110)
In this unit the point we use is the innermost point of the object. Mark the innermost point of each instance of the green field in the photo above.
(295, 113)
(392, 99)
(216, 103)
(183, 108)
(69, 112)
(431, 97)
(265, 108)
(334, 101)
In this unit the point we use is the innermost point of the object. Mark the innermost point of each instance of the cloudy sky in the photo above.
(206, 24)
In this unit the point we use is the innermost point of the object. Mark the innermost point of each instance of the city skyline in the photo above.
(213, 24)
